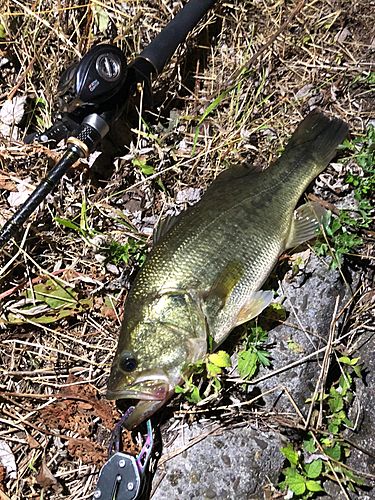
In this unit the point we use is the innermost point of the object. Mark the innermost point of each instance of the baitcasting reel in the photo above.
(88, 87)
(95, 79)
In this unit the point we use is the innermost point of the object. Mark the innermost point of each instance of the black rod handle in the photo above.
(45, 187)
(161, 49)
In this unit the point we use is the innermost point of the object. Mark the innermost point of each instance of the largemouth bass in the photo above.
(204, 274)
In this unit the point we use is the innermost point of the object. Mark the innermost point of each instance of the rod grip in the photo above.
(161, 49)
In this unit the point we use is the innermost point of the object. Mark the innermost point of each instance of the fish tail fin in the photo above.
(318, 136)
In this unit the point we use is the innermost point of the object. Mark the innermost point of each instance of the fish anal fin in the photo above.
(305, 224)
(255, 304)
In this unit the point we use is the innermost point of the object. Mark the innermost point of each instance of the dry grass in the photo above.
(321, 57)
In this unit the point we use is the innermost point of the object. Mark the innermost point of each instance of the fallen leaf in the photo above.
(101, 18)
(87, 451)
(85, 406)
(7, 460)
(2, 486)
(33, 443)
(46, 303)
(108, 312)
(45, 478)
(11, 114)
(7, 184)
(2, 474)
(79, 415)
(17, 198)
(188, 195)
(12, 111)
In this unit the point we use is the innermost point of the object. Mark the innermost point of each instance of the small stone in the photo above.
(209, 493)
(111, 268)
(304, 91)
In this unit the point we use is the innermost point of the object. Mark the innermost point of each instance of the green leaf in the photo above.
(296, 482)
(294, 346)
(313, 485)
(335, 401)
(220, 358)
(83, 225)
(213, 370)
(247, 364)
(348, 361)
(263, 357)
(314, 469)
(290, 454)
(257, 335)
(333, 428)
(357, 370)
(327, 442)
(334, 452)
(345, 360)
(190, 391)
(53, 294)
(195, 396)
(348, 422)
(309, 445)
(67, 223)
(2, 32)
(179, 389)
(143, 166)
(275, 311)
(344, 384)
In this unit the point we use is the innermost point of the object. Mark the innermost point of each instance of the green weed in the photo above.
(322, 453)
(253, 356)
(341, 238)
(343, 233)
(133, 251)
(147, 170)
(204, 379)
(83, 227)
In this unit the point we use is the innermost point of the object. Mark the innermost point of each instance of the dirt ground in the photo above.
(232, 93)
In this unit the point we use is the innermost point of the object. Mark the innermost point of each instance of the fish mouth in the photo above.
(142, 389)
(151, 390)
(143, 410)
(148, 401)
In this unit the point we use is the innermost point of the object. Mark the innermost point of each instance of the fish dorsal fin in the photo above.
(305, 224)
(236, 172)
(254, 305)
(164, 225)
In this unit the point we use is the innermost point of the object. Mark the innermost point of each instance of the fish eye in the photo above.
(128, 362)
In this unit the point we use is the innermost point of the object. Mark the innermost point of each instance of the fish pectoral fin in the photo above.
(197, 349)
(305, 224)
(224, 283)
(255, 304)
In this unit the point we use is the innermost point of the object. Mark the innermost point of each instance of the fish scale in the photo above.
(204, 274)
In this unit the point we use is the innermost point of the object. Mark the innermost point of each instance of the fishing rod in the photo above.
(95, 92)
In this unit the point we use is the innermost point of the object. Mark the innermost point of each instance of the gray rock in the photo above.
(310, 299)
(234, 464)
(362, 458)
